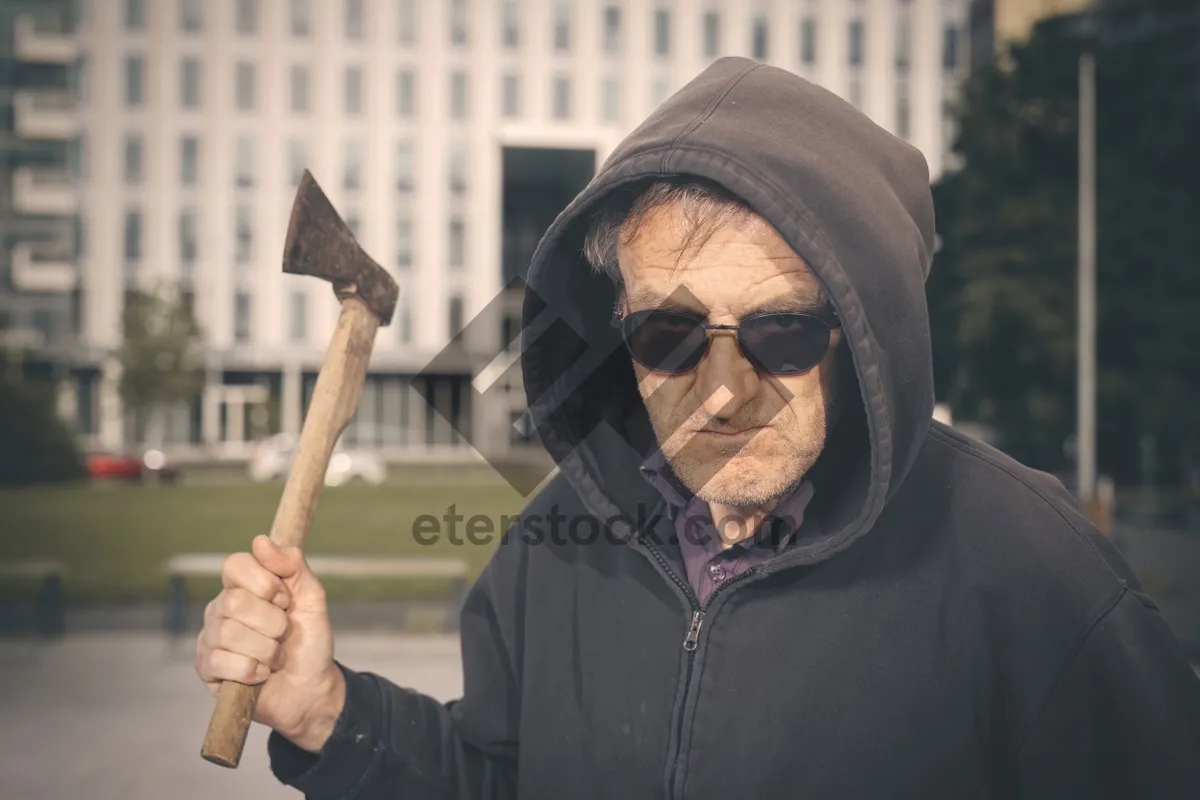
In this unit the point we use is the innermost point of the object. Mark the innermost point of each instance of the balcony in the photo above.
(44, 190)
(45, 41)
(43, 268)
(45, 114)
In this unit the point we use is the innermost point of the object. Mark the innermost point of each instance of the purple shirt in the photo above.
(707, 561)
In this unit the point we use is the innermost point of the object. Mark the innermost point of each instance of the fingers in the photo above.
(224, 665)
(232, 636)
(284, 562)
(255, 613)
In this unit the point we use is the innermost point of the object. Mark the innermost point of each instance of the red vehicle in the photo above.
(121, 467)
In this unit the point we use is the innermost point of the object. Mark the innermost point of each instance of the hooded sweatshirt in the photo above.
(945, 622)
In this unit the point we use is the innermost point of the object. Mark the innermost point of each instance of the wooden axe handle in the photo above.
(334, 401)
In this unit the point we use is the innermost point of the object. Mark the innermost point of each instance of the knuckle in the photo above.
(228, 632)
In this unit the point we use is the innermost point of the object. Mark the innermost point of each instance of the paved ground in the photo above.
(120, 716)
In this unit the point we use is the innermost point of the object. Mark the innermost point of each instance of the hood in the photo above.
(851, 199)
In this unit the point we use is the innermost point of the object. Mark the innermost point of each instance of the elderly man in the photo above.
(805, 586)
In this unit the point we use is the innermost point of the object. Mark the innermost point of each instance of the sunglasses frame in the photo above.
(824, 315)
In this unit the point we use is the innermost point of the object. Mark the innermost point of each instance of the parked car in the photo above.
(150, 465)
(272, 459)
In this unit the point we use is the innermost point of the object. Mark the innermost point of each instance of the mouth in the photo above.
(745, 433)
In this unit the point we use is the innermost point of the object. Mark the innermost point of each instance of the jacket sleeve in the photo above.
(392, 742)
(1123, 718)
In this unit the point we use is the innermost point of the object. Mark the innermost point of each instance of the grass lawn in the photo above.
(113, 539)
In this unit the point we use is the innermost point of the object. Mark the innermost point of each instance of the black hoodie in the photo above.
(947, 623)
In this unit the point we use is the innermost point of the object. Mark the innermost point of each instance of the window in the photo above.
(855, 93)
(354, 91)
(404, 241)
(245, 86)
(458, 95)
(297, 160)
(77, 157)
(458, 167)
(298, 316)
(190, 19)
(808, 41)
(612, 30)
(133, 158)
(299, 88)
(611, 92)
(133, 236)
(510, 96)
(352, 160)
(406, 93)
(189, 158)
(133, 81)
(856, 42)
(562, 25)
(712, 34)
(659, 92)
(511, 24)
(950, 48)
(903, 38)
(135, 15)
(404, 165)
(404, 315)
(189, 78)
(243, 233)
(458, 243)
(187, 238)
(354, 20)
(455, 317)
(758, 42)
(247, 17)
(662, 32)
(241, 316)
(301, 14)
(903, 108)
(458, 22)
(406, 22)
(244, 161)
(562, 97)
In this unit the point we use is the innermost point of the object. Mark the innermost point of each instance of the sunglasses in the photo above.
(776, 342)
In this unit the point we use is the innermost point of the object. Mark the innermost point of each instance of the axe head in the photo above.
(320, 244)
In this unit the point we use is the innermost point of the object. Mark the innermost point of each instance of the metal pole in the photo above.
(1086, 412)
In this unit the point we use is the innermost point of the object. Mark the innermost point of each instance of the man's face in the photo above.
(750, 437)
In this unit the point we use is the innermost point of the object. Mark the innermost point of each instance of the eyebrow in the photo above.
(803, 301)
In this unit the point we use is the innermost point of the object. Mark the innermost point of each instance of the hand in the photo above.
(270, 625)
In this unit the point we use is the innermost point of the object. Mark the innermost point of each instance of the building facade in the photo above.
(194, 119)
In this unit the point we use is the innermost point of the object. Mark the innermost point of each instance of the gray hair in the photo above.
(705, 206)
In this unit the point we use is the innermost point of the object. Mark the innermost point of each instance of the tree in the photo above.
(1002, 291)
(159, 356)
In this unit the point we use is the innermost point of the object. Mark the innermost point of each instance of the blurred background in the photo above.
(156, 364)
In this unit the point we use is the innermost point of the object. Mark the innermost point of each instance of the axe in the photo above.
(319, 244)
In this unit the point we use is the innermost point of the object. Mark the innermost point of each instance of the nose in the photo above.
(725, 380)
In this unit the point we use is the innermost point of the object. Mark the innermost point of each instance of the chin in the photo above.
(741, 480)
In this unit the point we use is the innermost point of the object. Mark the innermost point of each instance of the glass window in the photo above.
(298, 316)
(354, 19)
(404, 314)
(247, 17)
(455, 317)
(903, 109)
(662, 32)
(133, 235)
(562, 25)
(659, 92)
(406, 22)
(759, 38)
(243, 234)
(404, 165)
(134, 80)
(458, 167)
(187, 237)
(855, 91)
(352, 173)
(189, 160)
(458, 95)
(611, 92)
(459, 12)
(190, 16)
(903, 38)
(354, 223)
(511, 24)
(562, 97)
(510, 96)
(244, 161)
(406, 93)
(245, 86)
(241, 316)
(299, 88)
(404, 241)
(950, 47)
(856, 42)
(301, 15)
(354, 91)
(133, 158)
(189, 90)
(297, 160)
(712, 34)
(612, 30)
(135, 15)
(458, 243)
(808, 41)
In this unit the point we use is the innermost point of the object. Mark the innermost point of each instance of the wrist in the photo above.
(322, 715)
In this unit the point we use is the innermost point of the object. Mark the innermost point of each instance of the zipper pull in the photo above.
(693, 633)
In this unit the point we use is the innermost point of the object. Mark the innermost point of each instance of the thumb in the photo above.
(286, 562)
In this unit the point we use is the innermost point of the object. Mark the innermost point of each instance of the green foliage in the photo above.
(35, 446)
(159, 353)
(1003, 288)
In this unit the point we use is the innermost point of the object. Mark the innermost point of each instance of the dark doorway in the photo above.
(538, 183)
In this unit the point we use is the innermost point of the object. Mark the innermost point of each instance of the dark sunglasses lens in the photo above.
(663, 340)
(785, 344)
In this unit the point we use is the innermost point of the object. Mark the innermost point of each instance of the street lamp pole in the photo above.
(1086, 362)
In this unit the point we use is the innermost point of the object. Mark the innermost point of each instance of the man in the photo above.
(805, 586)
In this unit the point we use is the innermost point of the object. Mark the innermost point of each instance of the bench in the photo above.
(51, 604)
(179, 568)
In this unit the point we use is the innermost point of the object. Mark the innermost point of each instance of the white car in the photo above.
(273, 458)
